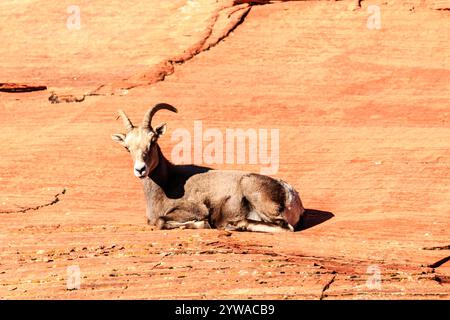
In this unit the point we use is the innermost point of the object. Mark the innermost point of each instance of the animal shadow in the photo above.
(312, 218)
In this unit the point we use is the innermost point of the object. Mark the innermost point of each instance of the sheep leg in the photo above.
(185, 225)
(180, 218)
(257, 226)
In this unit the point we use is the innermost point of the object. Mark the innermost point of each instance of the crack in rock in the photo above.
(55, 200)
(437, 248)
(327, 286)
(210, 38)
(70, 98)
(441, 279)
(20, 88)
(439, 263)
(67, 98)
(442, 5)
(235, 13)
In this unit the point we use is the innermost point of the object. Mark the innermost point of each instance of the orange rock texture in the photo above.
(360, 96)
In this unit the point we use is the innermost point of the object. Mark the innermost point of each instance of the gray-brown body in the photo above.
(191, 196)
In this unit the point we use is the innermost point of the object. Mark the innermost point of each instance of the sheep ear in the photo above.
(161, 129)
(119, 138)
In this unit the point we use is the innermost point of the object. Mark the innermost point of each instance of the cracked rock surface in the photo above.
(364, 137)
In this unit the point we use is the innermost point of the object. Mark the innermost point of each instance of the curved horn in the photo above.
(147, 123)
(126, 121)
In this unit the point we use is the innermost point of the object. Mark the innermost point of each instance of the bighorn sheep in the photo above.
(197, 197)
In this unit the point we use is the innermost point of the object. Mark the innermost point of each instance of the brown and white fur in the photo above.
(197, 197)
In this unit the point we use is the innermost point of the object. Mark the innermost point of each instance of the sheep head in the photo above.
(141, 141)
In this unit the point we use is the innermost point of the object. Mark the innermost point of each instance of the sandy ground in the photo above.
(364, 137)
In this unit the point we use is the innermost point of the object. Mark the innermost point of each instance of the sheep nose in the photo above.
(139, 169)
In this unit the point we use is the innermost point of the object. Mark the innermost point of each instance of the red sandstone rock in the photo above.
(363, 118)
